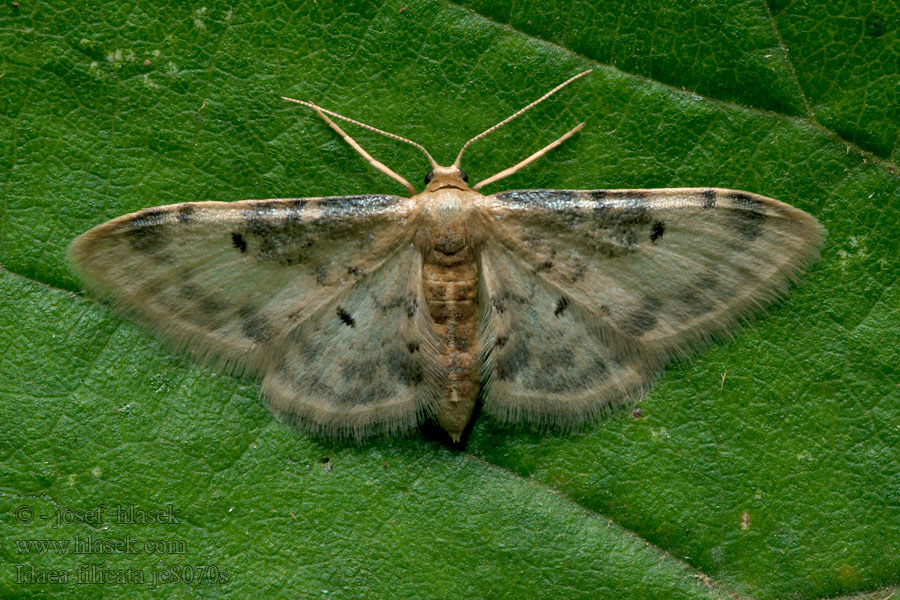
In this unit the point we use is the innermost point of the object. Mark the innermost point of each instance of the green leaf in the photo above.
(766, 467)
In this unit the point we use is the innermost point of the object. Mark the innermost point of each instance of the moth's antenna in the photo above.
(516, 114)
(393, 136)
(375, 163)
(530, 159)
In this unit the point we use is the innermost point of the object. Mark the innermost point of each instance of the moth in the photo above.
(368, 314)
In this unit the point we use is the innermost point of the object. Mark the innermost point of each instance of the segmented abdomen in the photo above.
(451, 285)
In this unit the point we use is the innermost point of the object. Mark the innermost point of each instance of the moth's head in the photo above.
(446, 177)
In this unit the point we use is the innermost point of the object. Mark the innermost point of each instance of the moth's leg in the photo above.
(527, 161)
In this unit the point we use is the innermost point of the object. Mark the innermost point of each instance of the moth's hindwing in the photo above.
(364, 363)
(586, 294)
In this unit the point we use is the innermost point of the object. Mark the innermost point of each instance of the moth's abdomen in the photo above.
(451, 284)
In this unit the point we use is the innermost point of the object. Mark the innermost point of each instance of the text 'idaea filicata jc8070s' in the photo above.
(369, 314)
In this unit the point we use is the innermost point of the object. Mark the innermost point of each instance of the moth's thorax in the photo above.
(448, 238)
(448, 232)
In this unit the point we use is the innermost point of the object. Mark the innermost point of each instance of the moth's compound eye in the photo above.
(429, 176)
(464, 175)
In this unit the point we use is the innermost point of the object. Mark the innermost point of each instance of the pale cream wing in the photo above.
(232, 283)
(588, 293)
(364, 363)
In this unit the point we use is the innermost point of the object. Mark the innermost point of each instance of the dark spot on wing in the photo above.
(210, 306)
(553, 377)
(500, 341)
(206, 307)
(345, 317)
(657, 231)
(412, 306)
(351, 270)
(412, 347)
(694, 299)
(281, 235)
(747, 216)
(186, 213)
(622, 222)
(501, 300)
(695, 295)
(202, 309)
(640, 322)
(709, 198)
(361, 381)
(578, 271)
(544, 266)
(239, 242)
(404, 367)
(255, 326)
(147, 231)
(559, 373)
(611, 217)
(514, 358)
(302, 343)
(561, 305)
(643, 319)
(395, 302)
